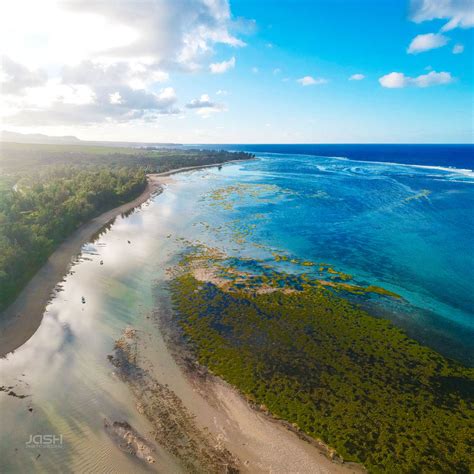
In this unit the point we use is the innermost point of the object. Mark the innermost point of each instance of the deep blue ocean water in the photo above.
(457, 156)
(396, 216)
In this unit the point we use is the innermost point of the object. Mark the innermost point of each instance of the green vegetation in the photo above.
(48, 191)
(245, 193)
(16, 157)
(423, 193)
(338, 374)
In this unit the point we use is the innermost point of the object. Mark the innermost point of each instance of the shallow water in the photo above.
(407, 229)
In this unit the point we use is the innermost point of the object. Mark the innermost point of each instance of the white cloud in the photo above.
(115, 52)
(60, 104)
(167, 96)
(433, 78)
(311, 81)
(459, 13)
(55, 92)
(458, 48)
(115, 98)
(255, 70)
(168, 31)
(356, 77)
(143, 78)
(220, 68)
(15, 78)
(426, 42)
(221, 92)
(394, 80)
(398, 80)
(276, 71)
(204, 106)
(133, 74)
(203, 101)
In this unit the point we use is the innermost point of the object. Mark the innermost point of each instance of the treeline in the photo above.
(48, 191)
(42, 210)
(15, 157)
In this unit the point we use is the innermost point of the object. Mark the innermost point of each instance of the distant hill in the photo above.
(6, 136)
(39, 138)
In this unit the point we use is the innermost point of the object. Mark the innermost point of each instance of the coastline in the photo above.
(258, 441)
(211, 414)
(19, 322)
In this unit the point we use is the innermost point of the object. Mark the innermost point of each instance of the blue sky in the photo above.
(271, 72)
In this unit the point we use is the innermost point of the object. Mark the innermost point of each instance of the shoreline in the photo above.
(259, 441)
(19, 322)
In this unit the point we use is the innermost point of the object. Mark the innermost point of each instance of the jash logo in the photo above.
(45, 441)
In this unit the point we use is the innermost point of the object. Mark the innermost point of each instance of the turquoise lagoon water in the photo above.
(406, 228)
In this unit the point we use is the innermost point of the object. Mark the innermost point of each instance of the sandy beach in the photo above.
(263, 444)
(212, 423)
(23, 317)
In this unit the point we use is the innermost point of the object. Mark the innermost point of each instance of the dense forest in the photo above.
(311, 357)
(48, 191)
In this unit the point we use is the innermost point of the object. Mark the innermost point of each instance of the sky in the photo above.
(244, 71)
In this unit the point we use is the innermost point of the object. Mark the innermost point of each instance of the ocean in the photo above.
(398, 216)
(459, 156)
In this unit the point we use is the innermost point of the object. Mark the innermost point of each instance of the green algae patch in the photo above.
(235, 274)
(340, 375)
(424, 193)
(335, 279)
(241, 194)
(381, 291)
(358, 289)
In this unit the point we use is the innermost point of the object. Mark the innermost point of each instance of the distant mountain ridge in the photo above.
(6, 136)
(41, 139)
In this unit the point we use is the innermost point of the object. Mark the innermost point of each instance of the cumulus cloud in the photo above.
(115, 53)
(92, 92)
(204, 106)
(134, 74)
(459, 13)
(220, 68)
(203, 101)
(60, 104)
(398, 80)
(15, 78)
(426, 42)
(169, 31)
(311, 81)
(356, 77)
(394, 80)
(115, 98)
(433, 78)
(458, 48)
